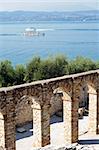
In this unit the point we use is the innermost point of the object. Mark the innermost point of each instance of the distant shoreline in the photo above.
(30, 16)
(26, 22)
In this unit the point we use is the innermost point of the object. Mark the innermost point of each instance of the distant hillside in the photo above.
(29, 16)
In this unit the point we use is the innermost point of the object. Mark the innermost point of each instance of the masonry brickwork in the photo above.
(24, 111)
(37, 95)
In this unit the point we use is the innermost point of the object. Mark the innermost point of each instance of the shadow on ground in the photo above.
(29, 127)
(55, 119)
(88, 142)
(29, 131)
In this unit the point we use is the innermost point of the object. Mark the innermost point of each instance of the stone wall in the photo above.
(24, 112)
(17, 100)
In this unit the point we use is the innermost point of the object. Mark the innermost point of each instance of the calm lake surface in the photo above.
(71, 39)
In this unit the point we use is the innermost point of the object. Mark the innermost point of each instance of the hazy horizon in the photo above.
(49, 5)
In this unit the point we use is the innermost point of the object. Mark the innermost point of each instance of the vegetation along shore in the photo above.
(38, 69)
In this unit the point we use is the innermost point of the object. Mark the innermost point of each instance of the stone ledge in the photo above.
(42, 82)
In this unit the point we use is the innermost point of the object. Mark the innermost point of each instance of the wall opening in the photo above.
(87, 113)
(83, 111)
(24, 123)
(57, 119)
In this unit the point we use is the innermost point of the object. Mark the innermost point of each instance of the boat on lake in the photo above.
(32, 32)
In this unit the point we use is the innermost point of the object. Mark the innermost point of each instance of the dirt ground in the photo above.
(24, 140)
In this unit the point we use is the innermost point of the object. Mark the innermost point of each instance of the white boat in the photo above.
(32, 32)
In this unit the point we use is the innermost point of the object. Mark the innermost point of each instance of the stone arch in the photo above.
(56, 101)
(92, 98)
(64, 93)
(66, 99)
(24, 110)
(40, 115)
(91, 88)
(32, 101)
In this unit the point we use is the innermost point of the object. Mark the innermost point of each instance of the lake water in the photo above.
(71, 39)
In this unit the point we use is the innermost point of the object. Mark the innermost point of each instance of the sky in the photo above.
(49, 5)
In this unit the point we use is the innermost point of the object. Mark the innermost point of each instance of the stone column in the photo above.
(41, 125)
(93, 107)
(10, 132)
(98, 110)
(70, 113)
(2, 134)
(67, 118)
(9, 124)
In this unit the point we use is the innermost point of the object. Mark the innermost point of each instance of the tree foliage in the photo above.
(32, 69)
(19, 74)
(97, 65)
(81, 64)
(54, 67)
(38, 69)
(6, 73)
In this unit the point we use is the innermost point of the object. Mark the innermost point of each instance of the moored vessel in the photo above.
(32, 32)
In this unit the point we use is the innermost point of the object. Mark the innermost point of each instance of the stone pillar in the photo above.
(70, 113)
(75, 129)
(41, 126)
(67, 118)
(98, 110)
(93, 107)
(2, 133)
(10, 133)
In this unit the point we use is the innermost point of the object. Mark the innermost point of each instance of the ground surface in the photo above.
(25, 140)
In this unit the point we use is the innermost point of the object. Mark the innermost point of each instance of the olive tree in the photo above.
(6, 73)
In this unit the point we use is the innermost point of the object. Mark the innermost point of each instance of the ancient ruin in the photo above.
(38, 95)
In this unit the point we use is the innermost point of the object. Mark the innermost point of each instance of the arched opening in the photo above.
(88, 122)
(2, 131)
(24, 112)
(32, 130)
(57, 103)
(60, 104)
(83, 111)
(24, 123)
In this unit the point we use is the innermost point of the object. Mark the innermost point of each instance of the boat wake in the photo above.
(45, 30)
